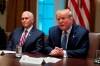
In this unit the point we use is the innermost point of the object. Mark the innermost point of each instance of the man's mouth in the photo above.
(61, 25)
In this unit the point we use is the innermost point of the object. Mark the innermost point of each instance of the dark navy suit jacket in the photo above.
(34, 41)
(2, 39)
(78, 43)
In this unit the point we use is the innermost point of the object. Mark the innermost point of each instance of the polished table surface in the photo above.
(11, 60)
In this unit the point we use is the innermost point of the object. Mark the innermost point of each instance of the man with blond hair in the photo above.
(67, 39)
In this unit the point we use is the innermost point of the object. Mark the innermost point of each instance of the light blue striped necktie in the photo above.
(64, 40)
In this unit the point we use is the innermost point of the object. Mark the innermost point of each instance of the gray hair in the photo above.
(29, 13)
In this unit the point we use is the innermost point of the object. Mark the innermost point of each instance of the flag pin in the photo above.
(29, 34)
(73, 36)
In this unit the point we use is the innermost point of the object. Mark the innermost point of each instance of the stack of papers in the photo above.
(38, 61)
(27, 59)
(7, 51)
(51, 60)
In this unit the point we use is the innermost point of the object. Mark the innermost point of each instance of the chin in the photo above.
(25, 26)
(62, 28)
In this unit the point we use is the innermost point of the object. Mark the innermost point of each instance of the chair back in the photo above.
(94, 39)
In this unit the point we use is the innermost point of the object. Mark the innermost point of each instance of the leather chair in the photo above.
(8, 35)
(94, 39)
(45, 38)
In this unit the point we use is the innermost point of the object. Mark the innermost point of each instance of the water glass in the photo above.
(18, 51)
(97, 59)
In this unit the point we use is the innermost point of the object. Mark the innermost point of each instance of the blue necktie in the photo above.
(64, 40)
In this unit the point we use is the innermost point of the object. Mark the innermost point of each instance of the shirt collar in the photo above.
(68, 31)
(29, 29)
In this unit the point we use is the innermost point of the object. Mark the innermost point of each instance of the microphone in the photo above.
(2, 53)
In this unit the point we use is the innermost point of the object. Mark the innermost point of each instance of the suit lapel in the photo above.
(58, 36)
(72, 36)
(30, 34)
(19, 34)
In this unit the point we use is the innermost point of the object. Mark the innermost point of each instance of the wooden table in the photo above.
(11, 60)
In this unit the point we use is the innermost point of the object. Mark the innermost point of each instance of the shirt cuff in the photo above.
(65, 53)
(50, 53)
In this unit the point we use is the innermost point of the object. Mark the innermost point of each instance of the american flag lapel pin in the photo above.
(29, 35)
(73, 36)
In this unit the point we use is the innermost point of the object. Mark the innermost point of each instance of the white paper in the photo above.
(38, 61)
(32, 60)
(51, 60)
(7, 51)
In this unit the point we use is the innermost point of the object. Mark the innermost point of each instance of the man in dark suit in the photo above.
(34, 38)
(2, 39)
(77, 42)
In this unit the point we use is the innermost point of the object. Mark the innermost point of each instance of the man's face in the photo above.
(64, 21)
(26, 20)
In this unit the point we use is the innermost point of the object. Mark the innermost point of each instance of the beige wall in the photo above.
(3, 18)
(97, 20)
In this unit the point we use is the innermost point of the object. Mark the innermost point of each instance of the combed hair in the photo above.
(67, 11)
(29, 13)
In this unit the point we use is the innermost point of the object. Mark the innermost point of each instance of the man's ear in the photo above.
(32, 20)
(71, 18)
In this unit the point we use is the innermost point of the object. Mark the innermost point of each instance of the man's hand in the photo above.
(57, 52)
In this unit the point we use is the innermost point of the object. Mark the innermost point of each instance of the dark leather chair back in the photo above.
(94, 39)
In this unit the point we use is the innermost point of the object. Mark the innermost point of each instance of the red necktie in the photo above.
(22, 40)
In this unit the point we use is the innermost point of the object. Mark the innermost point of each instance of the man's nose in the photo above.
(60, 20)
(24, 19)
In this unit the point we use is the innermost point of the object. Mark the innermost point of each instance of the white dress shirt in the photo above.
(68, 33)
(28, 30)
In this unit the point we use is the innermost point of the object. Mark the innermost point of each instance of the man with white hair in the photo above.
(30, 38)
(67, 39)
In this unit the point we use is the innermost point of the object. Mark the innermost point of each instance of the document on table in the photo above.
(51, 60)
(7, 51)
(38, 61)
(33, 60)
